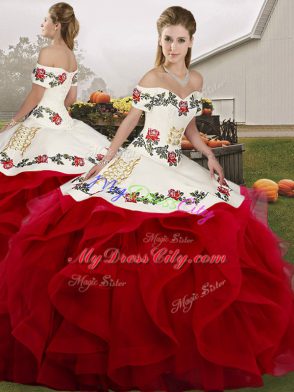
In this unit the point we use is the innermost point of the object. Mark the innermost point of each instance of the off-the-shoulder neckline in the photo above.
(162, 88)
(47, 66)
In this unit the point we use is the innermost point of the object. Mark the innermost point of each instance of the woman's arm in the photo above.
(124, 130)
(30, 102)
(36, 93)
(71, 96)
(193, 135)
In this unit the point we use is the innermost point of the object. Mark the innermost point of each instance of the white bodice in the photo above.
(51, 111)
(166, 118)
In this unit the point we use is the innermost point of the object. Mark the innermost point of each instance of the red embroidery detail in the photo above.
(136, 95)
(62, 78)
(171, 157)
(183, 107)
(40, 73)
(42, 159)
(8, 164)
(152, 134)
(174, 194)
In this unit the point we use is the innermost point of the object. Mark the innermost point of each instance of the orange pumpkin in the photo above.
(214, 143)
(206, 112)
(99, 97)
(186, 145)
(286, 187)
(268, 187)
(225, 143)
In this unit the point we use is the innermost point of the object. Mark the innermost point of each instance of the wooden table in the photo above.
(230, 158)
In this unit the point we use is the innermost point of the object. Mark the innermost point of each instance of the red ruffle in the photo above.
(16, 191)
(128, 337)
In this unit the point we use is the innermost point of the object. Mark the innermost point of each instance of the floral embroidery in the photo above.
(99, 157)
(172, 158)
(136, 95)
(40, 73)
(174, 136)
(141, 96)
(183, 108)
(169, 200)
(42, 159)
(160, 99)
(58, 159)
(8, 164)
(174, 194)
(62, 78)
(74, 79)
(223, 190)
(152, 134)
(150, 145)
(131, 197)
(56, 80)
(53, 116)
(172, 198)
(79, 161)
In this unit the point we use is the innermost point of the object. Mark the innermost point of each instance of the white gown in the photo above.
(49, 139)
(152, 175)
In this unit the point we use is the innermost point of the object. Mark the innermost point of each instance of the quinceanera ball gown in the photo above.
(149, 276)
(44, 151)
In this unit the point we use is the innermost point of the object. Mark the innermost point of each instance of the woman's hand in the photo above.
(11, 124)
(7, 126)
(213, 166)
(94, 171)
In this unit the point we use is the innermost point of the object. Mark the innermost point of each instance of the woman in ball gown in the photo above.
(148, 273)
(48, 148)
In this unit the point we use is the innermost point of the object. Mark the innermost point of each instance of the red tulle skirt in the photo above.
(73, 317)
(16, 192)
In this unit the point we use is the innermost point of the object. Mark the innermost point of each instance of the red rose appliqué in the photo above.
(56, 119)
(171, 157)
(223, 190)
(40, 73)
(153, 134)
(79, 161)
(183, 107)
(99, 157)
(8, 164)
(136, 95)
(42, 159)
(62, 78)
(131, 197)
(174, 194)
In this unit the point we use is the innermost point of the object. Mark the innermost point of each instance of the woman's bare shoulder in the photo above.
(54, 56)
(196, 79)
(152, 78)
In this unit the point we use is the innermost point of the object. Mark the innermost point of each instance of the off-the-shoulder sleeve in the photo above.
(142, 99)
(74, 81)
(40, 76)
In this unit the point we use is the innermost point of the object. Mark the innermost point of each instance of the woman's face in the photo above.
(48, 27)
(175, 42)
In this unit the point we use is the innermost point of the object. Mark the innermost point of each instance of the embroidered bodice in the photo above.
(51, 111)
(166, 118)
